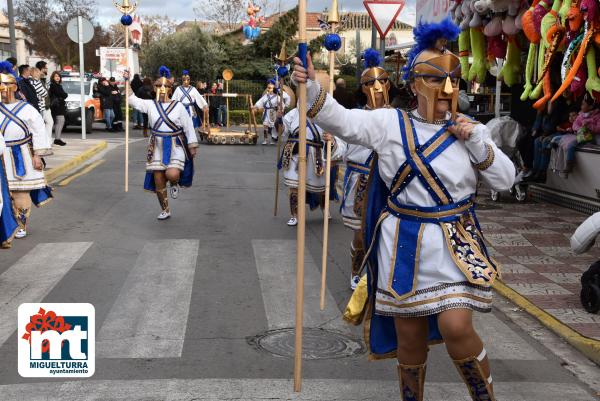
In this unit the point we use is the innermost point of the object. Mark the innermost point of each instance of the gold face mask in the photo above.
(436, 76)
(376, 80)
(163, 89)
(8, 87)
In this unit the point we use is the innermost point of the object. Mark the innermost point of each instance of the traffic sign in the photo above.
(86, 27)
(383, 14)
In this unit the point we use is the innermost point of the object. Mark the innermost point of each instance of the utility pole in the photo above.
(11, 29)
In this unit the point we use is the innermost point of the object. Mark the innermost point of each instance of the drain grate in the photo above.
(317, 344)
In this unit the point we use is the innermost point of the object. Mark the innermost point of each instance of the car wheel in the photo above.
(89, 120)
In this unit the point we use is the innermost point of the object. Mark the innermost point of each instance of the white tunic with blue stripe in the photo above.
(179, 116)
(189, 96)
(25, 136)
(441, 279)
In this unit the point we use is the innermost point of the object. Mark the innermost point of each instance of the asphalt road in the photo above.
(179, 304)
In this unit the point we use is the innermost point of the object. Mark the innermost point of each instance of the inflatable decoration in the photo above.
(251, 27)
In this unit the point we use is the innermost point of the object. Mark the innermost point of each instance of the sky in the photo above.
(181, 10)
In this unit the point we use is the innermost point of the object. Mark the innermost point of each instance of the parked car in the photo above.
(71, 84)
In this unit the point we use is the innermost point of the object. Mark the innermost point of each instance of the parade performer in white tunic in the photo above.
(269, 103)
(8, 221)
(315, 167)
(194, 102)
(376, 86)
(24, 133)
(428, 267)
(172, 145)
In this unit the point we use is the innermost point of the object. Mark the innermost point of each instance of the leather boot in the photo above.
(412, 381)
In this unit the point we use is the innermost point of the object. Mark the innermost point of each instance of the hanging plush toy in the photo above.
(528, 24)
(464, 48)
(512, 67)
(479, 67)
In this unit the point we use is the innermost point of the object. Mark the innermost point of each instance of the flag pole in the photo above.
(333, 19)
(302, 51)
(126, 8)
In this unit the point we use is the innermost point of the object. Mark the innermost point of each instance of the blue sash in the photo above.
(11, 116)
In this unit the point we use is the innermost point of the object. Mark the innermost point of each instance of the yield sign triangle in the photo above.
(383, 14)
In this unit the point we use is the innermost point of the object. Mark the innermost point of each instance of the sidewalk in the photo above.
(539, 271)
(71, 156)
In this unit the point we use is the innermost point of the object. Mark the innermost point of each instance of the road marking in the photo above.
(276, 389)
(149, 317)
(32, 277)
(84, 171)
(276, 266)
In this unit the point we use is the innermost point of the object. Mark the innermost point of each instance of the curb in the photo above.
(76, 161)
(588, 346)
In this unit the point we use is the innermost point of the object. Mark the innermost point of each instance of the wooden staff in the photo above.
(333, 19)
(127, 112)
(126, 8)
(302, 51)
(279, 132)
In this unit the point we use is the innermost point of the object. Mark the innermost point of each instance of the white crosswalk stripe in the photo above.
(32, 277)
(149, 317)
(275, 389)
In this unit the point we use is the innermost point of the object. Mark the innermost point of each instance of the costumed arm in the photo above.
(140, 104)
(494, 166)
(2, 145)
(363, 127)
(339, 149)
(37, 128)
(177, 95)
(200, 101)
(286, 100)
(260, 103)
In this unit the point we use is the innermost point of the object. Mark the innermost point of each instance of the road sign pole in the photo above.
(81, 75)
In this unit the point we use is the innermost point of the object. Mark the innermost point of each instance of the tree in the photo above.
(156, 27)
(191, 50)
(227, 13)
(45, 23)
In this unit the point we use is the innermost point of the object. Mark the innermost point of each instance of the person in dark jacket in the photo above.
(26, 87)
(341, 94)
(146, 91)
(136, 84)
(58, 106)
(116, 92)
(107, 103)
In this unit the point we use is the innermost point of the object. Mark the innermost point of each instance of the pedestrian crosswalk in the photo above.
(148, 319)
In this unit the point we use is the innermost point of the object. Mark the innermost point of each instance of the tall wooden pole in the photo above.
(127, 111)
(302, 51)
(333, 22)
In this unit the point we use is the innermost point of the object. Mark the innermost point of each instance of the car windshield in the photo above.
(73, 87)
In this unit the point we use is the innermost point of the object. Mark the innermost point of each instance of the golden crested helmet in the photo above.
(163, 86)
(185, 77)
(433, 69)
(8, 82)
(375, 79)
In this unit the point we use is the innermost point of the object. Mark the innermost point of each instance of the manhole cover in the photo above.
(317, 344)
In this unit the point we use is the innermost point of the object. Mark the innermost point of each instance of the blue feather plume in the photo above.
(185, 72)
(426, 34)
(7, 68)
(372, 58)
(164, 72)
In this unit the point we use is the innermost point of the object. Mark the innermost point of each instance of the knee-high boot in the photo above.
(22, 207)
(412, 381)
(479, 386)
(294, 203)
(163, 199)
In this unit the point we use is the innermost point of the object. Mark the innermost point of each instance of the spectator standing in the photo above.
(26, 87)
(146, 91)
(43, 101)
(107, 103)
(58, 106)
(43, 67)
(341, 94)
(136, 84)
(116, 93)
(214, 103)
